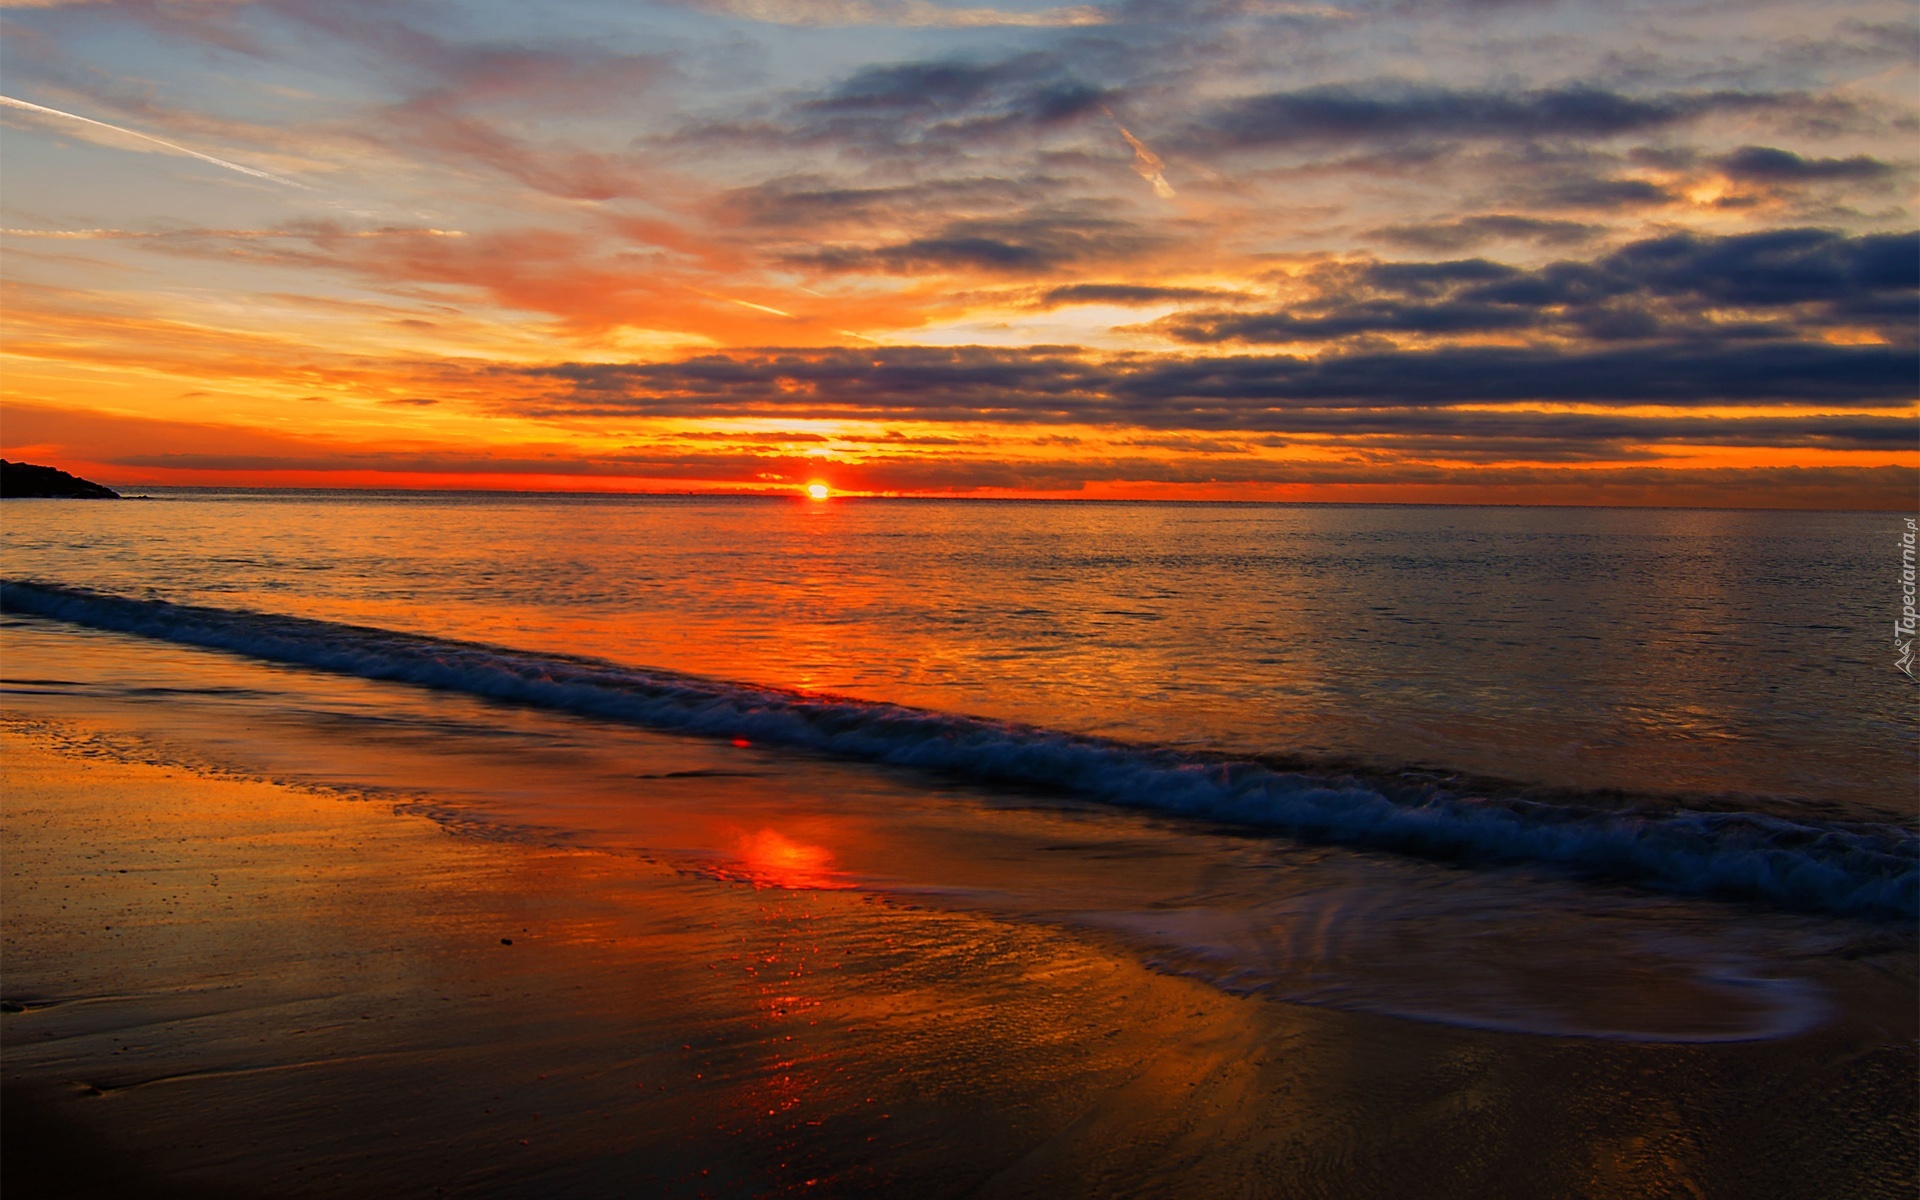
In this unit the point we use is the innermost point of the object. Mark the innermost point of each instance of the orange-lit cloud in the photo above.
(1147, 164)
(603, 255)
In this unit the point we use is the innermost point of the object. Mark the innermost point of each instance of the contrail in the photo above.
(742, 303)
(1146, 163)
(761, 307)
(10, 102)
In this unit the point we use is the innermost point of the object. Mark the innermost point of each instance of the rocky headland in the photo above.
(20, 481)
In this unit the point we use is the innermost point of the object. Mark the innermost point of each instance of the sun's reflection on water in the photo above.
(771, 859)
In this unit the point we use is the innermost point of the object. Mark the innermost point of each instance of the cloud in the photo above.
(1465, 232)
(1605, 194)
(1147, 164)
(1373, 316)
(1063, 385)
(1465, 455)
(525, 109)
(897, 114)
(1453, 475)
(1129, 294)
(699, 187)
(436, 125)
(1030, 244)
(910, 14)
(1680, 285)
(1523, 433)
(1217, 391)
(1853, 276)
(1393, 110)
(812, 203)
(1036, 85)
(978, 381)
(1764, 164)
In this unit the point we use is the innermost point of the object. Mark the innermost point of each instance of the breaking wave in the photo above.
(1860, 869)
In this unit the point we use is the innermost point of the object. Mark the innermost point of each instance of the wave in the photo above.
(1855, 869)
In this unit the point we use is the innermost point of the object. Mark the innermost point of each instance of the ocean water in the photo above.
(1644, 774)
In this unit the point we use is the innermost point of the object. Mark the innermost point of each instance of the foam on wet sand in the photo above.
(231, 986)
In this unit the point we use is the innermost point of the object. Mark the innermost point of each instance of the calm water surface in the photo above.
(1738, 654)
(1698, 651)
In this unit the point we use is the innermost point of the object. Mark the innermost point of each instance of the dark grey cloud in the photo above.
(1433, 278)
(1218, 391)
(1598, 435)
(1604, 194)
(1659, 287)
(1368, 316)
(1764, 164)
(1248, 393)
(1036, 86)
(1467, 232)
(1025, 244)
(911, 380)
(1393, 110)
(1129, 294)
(1853, 275)
(932, 107)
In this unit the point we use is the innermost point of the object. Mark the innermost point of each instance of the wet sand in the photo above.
(233, 987)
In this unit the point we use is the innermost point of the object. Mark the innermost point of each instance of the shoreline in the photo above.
(1845, 867)
(309, 994)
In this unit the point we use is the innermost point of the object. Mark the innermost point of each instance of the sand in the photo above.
(235, 987)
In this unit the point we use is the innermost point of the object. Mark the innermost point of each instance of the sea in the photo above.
(1620, 773)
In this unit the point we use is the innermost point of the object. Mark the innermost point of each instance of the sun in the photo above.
(819, 491)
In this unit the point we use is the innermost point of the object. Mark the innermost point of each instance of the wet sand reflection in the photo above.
(241, 985)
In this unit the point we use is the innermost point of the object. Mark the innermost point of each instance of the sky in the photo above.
(1480, 251)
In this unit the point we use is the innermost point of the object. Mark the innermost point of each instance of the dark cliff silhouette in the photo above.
(24, 480)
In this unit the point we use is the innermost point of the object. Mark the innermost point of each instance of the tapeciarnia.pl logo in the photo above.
(1903, 627)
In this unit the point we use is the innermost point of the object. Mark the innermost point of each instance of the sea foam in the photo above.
(1856, 869)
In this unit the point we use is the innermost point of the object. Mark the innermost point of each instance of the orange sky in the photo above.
(1256, 252)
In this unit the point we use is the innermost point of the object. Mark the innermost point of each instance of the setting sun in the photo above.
(1353, 624)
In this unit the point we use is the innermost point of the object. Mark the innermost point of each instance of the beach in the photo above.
(294, 906)
(941, 600)
(256, 990)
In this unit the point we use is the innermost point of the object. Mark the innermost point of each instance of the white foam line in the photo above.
(1866, 870)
